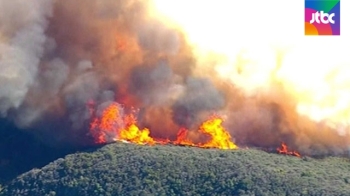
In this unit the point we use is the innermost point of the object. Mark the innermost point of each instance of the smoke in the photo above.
(22, 34)
(200, 96)
(155, 37)
(60, 60)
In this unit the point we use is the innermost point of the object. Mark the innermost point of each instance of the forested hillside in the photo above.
(128, 169)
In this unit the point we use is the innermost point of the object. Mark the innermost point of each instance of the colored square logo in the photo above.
(322, 17)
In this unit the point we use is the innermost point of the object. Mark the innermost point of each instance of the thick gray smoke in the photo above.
(152, 84)
(200, 96)
(22, 39)
(155, 37)
(62, 62)
(63, 59)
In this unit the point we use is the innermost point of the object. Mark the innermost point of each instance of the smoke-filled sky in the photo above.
(176, 62)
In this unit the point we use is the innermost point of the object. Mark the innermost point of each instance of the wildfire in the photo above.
(182, 138)
(113, 125)
(219, 137)
(284, 150)
(278, 56)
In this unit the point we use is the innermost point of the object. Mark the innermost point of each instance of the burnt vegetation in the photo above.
(128, 169)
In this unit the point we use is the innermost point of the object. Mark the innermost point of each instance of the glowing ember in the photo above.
(113, 125)
(284, 150)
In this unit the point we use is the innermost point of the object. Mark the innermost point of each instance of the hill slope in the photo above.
(127, 169)
(20, 151)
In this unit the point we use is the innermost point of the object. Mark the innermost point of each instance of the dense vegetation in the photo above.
(127, 169)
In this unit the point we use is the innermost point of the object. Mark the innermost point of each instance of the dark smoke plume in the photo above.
(60, 57)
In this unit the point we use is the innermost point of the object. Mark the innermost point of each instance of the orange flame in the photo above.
(182, 138)
(113, 125)
(219, 137)
(284, 150)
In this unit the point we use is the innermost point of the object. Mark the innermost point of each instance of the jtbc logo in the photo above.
(317, 17)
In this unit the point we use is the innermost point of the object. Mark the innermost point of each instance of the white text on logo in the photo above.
(322, 17)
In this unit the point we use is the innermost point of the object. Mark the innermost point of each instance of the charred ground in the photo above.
(120, 169)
